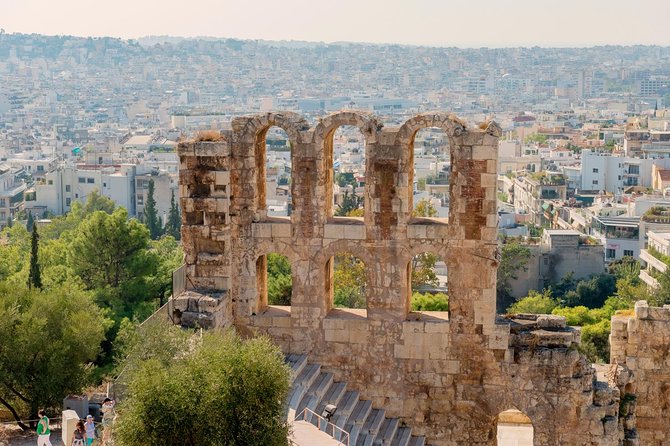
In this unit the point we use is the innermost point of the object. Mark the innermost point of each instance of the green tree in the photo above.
(97, 202)
(107, 249)
(47, 342)
(591, 293)
(343, 179)
(280, 285)
(168, 255)
(349, 281)
(34, 277)
(423, 270)
(30, 222)
(534, 303)
(173, 226)
(430, 302)
(151, 213)
(217, 390)
(424, 208)
(625, 268)
(513, 258)
(9, 221)
(349, 203)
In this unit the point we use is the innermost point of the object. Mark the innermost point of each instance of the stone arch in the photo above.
(449, 123)
(260, 262)
(324, 131)
(514, 427)
(252, 137)
(352, 246)
(324, 261)
(407, 257)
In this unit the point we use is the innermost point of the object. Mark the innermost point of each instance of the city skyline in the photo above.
(487, 23)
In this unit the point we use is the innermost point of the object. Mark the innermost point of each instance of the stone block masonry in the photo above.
(448, 375)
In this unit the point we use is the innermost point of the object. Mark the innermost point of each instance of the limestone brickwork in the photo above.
(449, 376)
(641, 344)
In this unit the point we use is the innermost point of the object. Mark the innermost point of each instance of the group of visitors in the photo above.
(84, 433)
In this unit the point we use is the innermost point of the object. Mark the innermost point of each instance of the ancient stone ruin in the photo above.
(448, 376)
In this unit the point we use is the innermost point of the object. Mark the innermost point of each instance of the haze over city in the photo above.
(491, 23)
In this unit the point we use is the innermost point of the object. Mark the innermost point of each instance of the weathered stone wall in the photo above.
(641, 343)
(448, 375)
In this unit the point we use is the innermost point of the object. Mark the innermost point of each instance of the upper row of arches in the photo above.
(256, 133)
(296, 127)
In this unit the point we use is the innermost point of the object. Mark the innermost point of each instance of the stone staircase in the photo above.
(313, 389)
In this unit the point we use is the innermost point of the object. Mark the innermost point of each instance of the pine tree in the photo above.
(30, 223)
(173, 224)
(151, 214)
(9, 221)
(34, 277)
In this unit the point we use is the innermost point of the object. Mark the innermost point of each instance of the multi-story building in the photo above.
(164, 185)
(609, 173)
(529, 194)
(658, 245)
(620, 235)
(559, 252)
(63, 186)
(11, 192)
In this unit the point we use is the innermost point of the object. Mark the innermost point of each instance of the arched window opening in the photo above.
(274, 280)
(428, 281)
(276, 177)
(514, 428)
(430, 171)
(348, 172)
(346, 275)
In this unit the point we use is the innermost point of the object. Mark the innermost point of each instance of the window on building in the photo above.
(67, 188)
(140, 199)
(2, 203)
(619, 177)
(595, 170)
(628, 252)
(610, 253)
(40, 168)
(81, 179)
(68, 201)
(2, 216)
(595, 182)
(50, 182)
(104, 184)
(90, 180)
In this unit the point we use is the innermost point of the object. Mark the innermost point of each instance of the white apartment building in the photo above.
(67, 184)
(608, 173)
(11, 193)
(660, 243)
(164, 185)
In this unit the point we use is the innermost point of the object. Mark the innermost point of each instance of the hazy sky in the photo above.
(469, 23)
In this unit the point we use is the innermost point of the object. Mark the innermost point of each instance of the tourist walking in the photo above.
(90, 430)
(79, 434)
(43, 431)
(108, 414)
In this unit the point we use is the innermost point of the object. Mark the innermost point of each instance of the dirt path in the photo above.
(12, 437)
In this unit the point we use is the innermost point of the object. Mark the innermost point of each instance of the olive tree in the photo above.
(212, 389)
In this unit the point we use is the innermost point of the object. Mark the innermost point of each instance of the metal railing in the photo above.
(321, 421)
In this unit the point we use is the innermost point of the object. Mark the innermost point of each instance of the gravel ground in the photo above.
(13, 437)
